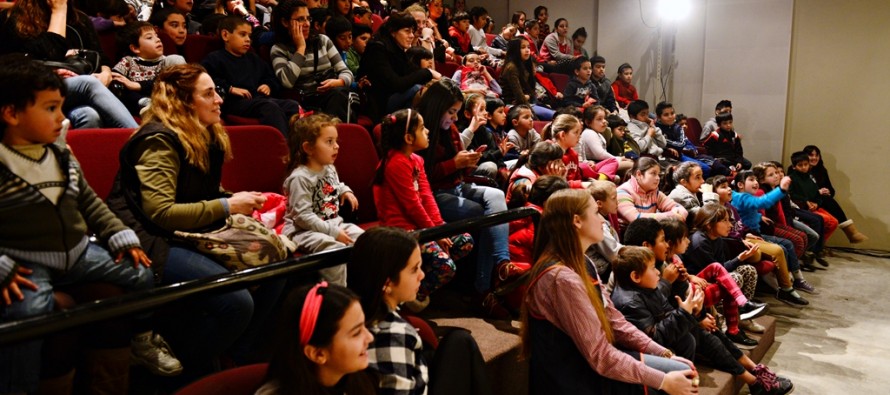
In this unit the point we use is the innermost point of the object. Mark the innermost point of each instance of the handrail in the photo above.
(132, 303)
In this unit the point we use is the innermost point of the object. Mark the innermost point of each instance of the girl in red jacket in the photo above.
(404, 199)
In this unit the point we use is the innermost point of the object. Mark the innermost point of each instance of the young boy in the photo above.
(458, 33)
(136, 72)
(46, 207)
(621, 144)
(676, 328)
(478, 19)
(523, 136)
(361, 34)
(723, 107)
(678, 146)
(361, 16)
(339, 30)
(248, 80)
(603, 254)
(726, 146)
(580, 91)
(507, 34)
(805, 193)
(603, 85)
(643, 129)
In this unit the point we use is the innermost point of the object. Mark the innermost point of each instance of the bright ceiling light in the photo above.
(673, 10)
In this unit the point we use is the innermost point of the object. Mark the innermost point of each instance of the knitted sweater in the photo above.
(294, 70)
(34, 230)
(634, 203)
(248, 72)
(554, 49)
(405, 200)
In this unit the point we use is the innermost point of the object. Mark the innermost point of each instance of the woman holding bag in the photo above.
(170, 180)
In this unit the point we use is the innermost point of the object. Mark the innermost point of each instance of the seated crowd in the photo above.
(651, 241)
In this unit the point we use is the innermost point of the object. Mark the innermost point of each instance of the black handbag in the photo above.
(82, 62)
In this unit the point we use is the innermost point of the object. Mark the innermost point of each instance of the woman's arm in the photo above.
(286, 65)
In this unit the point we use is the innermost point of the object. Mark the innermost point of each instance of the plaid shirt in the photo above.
(397, 353)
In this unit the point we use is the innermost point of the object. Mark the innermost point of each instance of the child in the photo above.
(403, 199)
(385, 270)
(532, 36)
(580, 91)
(779, 218)
(361, 16)
(688, 179)
(675, 327)
(476, 137)
(639, 196)
(45, 210)
(541, 16)
(805, 220)
(621, 144)
(420, 57)
(339, 30)
(604, 252)
(603, 85)
(171, 22)
(321, 344)
(643, 130)
(508, 31)
(315, 192)
(566, 130)
(249, 81)
(726, 146)
(807, 193)
(497, 122)
(544, 159)
(478, 20)
(136, 72)
(458, 33)
(624, 91)
(361, 34)
(474, 77)
(678, 146)
(723, 107)
(518, 80)
(593, 142)
(523, 136)
(749, 206)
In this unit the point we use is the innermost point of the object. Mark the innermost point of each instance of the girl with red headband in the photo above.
(322, 345)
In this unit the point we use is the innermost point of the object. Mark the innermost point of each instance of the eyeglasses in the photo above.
(303, 19)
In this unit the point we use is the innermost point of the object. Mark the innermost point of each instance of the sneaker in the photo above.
(752, 310)
(751, 326)
(791, 298)
(821, 259)
(803, 285)
(769, 383)
(152, 352)
(742, 340)
(493, 308)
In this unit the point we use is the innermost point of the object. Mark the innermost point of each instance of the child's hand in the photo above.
(505, 146)
(651, 131)
(812, 206)
(130, 85)
(670, 273)
(480, 117)
(436, 75)
(559, 95)
(709, 323)
(364, 82)
(264, 90)
(673, 153)
(749, 252)
(556, 168)
(693, 297)
(327, 85)
(240, 92)
(767, 221)
(350, 197)
(344, 238)
(445, 244)
(13, 289)
(698, 281)
(785, 183)
(589, 102)
(138, 256)
(65, 73)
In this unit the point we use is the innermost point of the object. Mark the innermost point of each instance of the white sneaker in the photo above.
(152, 352)
(751, 326)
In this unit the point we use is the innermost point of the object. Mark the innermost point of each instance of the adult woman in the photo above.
(170, 180)
(49, 30)
(557, 49)
(327, 85)
(639, 196)
(571, 331)
(394, 80)
(445, 162)
(826, 190)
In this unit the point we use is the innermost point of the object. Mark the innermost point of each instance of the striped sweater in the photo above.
(293, 69)
(634, 203)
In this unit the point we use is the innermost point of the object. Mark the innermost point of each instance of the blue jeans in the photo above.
(20, 363)
(542, 113)
(788, 247)
(398, 101)
(470, 201)
(705, 168)
(86, 91)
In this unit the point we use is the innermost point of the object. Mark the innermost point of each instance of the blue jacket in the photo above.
(749, 206)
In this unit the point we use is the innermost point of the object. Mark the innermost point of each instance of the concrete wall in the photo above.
(837, 98)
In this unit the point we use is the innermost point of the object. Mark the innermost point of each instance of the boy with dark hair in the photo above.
(643, 130)
(339, 30)
(678, 146)
(247, 80)
(478, 19)
(723, 106)
(361, 34)
(726, 145)
(580, 91)
(46, 208)
(135, 73)
(320, 18)
(458, 33)
(603, 85)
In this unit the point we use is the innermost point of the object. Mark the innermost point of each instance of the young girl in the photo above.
(640, 197)
(557, 48)
(517, 79)
(386, 271)
(717, 283)
(566, 131)
(404, 199)
(624, 91)
(818, 173)
(775, 219)
(544, 159)
(522, 231)
(314, 192)
(688, 178)
(322, 344)
(523, 135)
(593, 142)
(638, 278)
(570, 330)
(621, 144)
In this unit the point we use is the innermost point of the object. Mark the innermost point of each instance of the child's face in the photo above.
(598, 124)
(569, 138)
(599, 71)
(343, 41)
(584, 72)
(802, 166)
(175, 27)
(660, 247)
(150, 46)
(695, 181)
(542, 16)
(477, 107)
(534, 31)
(38, 123)
(721, 228)
(426, 64)
(562, 28)
(681, 247)
(649, 278)
(684, 124)
(182, 5)
(348, 351)
(627, 75)
(524, 122)
(648, 180)
(771, 177)
(462, 25)
(420, 140)
(667, 116)
(480, 21)
(724, 192)
(726, 125)
(323, 151)
(508, 33)
(360, 42)
(618, 131)
(579, 41)
(450, 116)
(314, 4)
(405, 290)
(472, 60)
(780, 173)
(524, 51)
(498, 118)
(238, 41)
(750, 185)
(610, 205)
(814, 158)
(343, 6)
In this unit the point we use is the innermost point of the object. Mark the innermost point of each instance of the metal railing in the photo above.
(47, 324)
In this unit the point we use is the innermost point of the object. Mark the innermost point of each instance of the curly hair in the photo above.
(303, 130)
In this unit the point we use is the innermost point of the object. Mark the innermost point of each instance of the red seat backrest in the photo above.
(560, 81)
(260, 157)
(447, 69)
(108, 43)
(489, 38)
(539, 125)
(98, 152)
(693, 131)
(198, 46)
(376, 21)
(356, 165)
(244, 380)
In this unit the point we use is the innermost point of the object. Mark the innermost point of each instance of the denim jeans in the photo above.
(88, 91)
(470, 201)
(20, 363)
